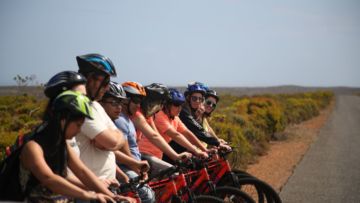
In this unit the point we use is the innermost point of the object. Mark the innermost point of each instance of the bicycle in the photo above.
(175, 188)
(200, 182)
(222, 174)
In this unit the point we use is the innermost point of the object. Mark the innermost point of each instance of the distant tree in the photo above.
(23, 81)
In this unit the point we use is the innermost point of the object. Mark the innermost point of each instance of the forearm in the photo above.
(159, 142)
(59, 185)
(74, 180)
(125, 159)
(92, 181)
(110, 139)
(194, 140)
(185, 143)
(125, 149)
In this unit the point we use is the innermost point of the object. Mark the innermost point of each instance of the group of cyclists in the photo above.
(98, 133)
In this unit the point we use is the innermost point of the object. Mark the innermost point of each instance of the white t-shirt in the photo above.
(101, 162)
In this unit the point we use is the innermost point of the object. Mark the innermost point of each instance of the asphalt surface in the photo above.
(330, 170)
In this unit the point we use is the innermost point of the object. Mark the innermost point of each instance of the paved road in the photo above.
(330, 170)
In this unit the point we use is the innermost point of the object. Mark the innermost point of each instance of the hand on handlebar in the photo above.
(202, 154)
(110, 182)
(144, 166)
(184, 155)
(225, 147)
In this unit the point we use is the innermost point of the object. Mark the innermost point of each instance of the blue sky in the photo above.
(221, 43)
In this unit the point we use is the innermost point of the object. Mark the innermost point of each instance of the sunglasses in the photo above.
(197, 99)
(136, 100)
(113, 103)
(210, 103)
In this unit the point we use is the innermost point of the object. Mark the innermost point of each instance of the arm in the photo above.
(132, 163)
(32, 158)
(179, 138)
(125, 149)
(193, 139)
(154, 137)
(121, 175)
(196, 128)
(84, 174)
(110, 139)
(74, 180)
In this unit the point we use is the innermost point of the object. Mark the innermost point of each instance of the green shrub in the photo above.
(251, 122)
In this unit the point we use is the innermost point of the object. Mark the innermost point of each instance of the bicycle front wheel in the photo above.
(233, 195)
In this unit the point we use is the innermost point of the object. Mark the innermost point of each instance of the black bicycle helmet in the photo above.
(62, 81)
(212, 93)
(115, 90)
(95, 63)
(156, 95)
(157, 91)
(72, 102)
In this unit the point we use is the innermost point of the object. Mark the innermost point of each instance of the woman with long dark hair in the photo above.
(45, 158)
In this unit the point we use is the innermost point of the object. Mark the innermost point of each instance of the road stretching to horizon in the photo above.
(330, 170)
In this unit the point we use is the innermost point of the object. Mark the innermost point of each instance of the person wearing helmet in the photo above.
(60, 82)
(194, 98)
(170, 127)
(97, 69)
(115, 103)
(211, 100)
(44, 159)
(147, 133)
(99, 138)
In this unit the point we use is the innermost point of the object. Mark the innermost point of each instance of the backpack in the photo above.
(10, 188)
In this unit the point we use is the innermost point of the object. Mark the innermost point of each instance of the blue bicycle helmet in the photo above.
(62, 81)
(95, 63)
(196, 87)
(176, 97)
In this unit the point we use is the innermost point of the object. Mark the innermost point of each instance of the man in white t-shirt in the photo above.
(98, 137)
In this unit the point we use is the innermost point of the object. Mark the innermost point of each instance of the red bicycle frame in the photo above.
(170, 187)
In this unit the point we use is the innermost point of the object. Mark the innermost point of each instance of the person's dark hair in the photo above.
(69, 106)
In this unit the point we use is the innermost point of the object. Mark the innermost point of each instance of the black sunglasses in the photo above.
(210, 103)
(197, 99)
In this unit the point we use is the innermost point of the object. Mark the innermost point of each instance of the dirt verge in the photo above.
(280, 161)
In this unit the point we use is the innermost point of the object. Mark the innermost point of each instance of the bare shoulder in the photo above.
(31, 148)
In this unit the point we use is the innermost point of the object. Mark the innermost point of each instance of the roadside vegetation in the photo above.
(249, 123)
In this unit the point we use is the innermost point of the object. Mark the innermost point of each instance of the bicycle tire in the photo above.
(207, 199)
(253, 190)
(233, 195)
(270, 194)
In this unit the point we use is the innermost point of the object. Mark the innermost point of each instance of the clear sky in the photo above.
(219, 42)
